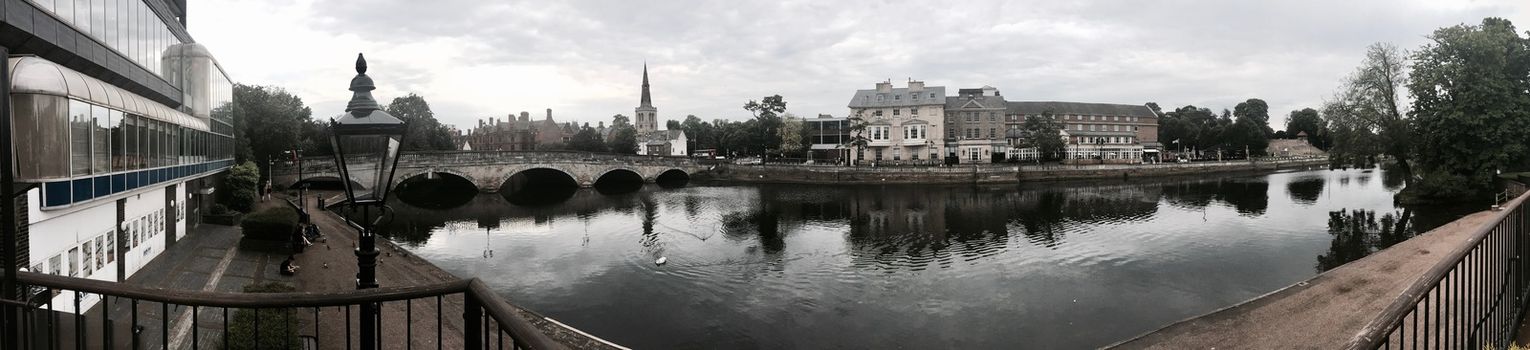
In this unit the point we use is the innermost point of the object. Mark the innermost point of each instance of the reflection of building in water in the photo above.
(1247, 195)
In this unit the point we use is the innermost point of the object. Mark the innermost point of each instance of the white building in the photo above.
(903, 125)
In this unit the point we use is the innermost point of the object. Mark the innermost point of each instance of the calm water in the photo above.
(1051, 265)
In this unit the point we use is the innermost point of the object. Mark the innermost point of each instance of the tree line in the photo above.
(269, 122)
(1467, 116)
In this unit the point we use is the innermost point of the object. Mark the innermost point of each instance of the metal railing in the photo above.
(1475, 298)
(486, 321)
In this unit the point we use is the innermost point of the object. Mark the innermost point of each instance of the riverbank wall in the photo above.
(987, 174)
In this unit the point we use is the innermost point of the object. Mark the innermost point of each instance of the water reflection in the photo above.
(792, 266)
(1359, 232)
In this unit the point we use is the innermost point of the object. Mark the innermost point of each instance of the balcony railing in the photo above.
(486, 321)
(1474, 299)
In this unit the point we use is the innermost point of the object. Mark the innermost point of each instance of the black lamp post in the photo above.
(366, 141)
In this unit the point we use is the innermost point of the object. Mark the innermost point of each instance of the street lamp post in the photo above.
(366, 141)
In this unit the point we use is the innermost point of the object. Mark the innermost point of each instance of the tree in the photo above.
(268, 121)
(240, 187)
(1044, 133)
(700, 131)
(1364, 115)
(672, 125)
(623, 137)
(791, 136)
(1469, 93)
(764, 131)
(425, 133)
(858, 140)
(587, 140)
(1309, 121)
(1258, 112)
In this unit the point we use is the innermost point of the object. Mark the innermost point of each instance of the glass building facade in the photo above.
(130, 27)
(84, 139)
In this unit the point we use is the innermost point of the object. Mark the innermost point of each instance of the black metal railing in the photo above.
(462, 314)
(1475, 298)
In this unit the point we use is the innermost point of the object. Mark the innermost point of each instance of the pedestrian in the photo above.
(287, 267)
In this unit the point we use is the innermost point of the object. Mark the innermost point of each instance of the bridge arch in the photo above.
(435, 189)
(672, 178)
(539, 185)
(619, 180)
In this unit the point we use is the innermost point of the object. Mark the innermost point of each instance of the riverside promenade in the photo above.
(1327, 311)
(1003, 173)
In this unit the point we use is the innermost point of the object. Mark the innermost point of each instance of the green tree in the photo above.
(268, 121)
(425, 133)
(587, 140)
(672, 125)
(764, 131)
(239, 190)
(1364, 115)
(1258, 112)
(790, 134)
(1469, 93)
(1309, 121)
(623, 137)
(702, 132)
(1044, 133)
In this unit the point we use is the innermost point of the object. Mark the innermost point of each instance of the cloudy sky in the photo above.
(583, 59)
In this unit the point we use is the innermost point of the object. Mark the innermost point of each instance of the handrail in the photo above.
(1376, 332)
(243, 300)
(504, 314)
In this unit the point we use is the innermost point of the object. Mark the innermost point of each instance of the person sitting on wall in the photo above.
(287, 268)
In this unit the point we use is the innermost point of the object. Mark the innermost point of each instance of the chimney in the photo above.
(915, 86)
(525, 116)
(549, 114)
(884, 87)
(990, 91)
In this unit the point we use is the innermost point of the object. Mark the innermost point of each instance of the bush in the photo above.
(218, 209)
(274, 224)
(239, 187)
(278, 327)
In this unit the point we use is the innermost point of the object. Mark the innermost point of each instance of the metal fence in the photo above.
(1474, 299)
(461, 314)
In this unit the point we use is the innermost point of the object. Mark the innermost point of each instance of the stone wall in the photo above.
(987, 174)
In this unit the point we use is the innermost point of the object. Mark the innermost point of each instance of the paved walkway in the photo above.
(1325, 312)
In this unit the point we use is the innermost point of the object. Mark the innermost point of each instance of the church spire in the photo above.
(647, 101)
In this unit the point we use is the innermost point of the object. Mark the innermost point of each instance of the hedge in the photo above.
(278, 327)
(273, 224)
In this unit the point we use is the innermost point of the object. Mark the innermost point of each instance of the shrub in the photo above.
(218, 209)
(239, 187)
(274, 224)
(278, 327)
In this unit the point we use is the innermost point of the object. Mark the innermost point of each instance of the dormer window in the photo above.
(916, 96)
(932, 95)
(897, 97)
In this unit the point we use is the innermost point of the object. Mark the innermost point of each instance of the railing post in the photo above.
(472, 318)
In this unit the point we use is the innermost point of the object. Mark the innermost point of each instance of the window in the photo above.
(916, 95)
(932, 95)
(876, 113)
(879, 98)
(87, 257)
(79, 138)
(878, 154)
(897, 111)
(993, 116)
(74, 262)
(913, 111)
(897, 154)
(991, 132)
(56, 265)
(897, 97)
(101, 139)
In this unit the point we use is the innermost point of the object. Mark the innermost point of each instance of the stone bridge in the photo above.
(489, 170)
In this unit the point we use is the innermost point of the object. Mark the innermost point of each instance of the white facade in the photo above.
(902, 125)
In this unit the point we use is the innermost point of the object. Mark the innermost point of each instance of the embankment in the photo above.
(987, 174)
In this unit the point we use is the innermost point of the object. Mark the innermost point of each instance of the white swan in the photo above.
(661, 261)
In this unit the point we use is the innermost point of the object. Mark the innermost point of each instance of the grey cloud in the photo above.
(709, 57)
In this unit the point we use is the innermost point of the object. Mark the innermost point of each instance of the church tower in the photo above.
(647, 119)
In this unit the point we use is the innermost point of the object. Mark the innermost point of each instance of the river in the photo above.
(1036, 265)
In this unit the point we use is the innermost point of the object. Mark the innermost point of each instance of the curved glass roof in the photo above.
(33, 75)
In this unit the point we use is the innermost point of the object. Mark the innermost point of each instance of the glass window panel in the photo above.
(109, 16)
(79, 138)
(45, 5)
(65, 10)
(119, 160)
(98, 19)
(101, 139)
(139, 34)
(82, 15)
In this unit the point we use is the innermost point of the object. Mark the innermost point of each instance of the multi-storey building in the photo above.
(119, 120)
(903, 125)
(827, 137)
(975, 125)
(1095, 132)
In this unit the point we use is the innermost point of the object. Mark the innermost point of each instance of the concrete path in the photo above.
(1325, 312)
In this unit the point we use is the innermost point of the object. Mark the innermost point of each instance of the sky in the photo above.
(584, 59)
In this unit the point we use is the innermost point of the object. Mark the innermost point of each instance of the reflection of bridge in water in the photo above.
(489, 171)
